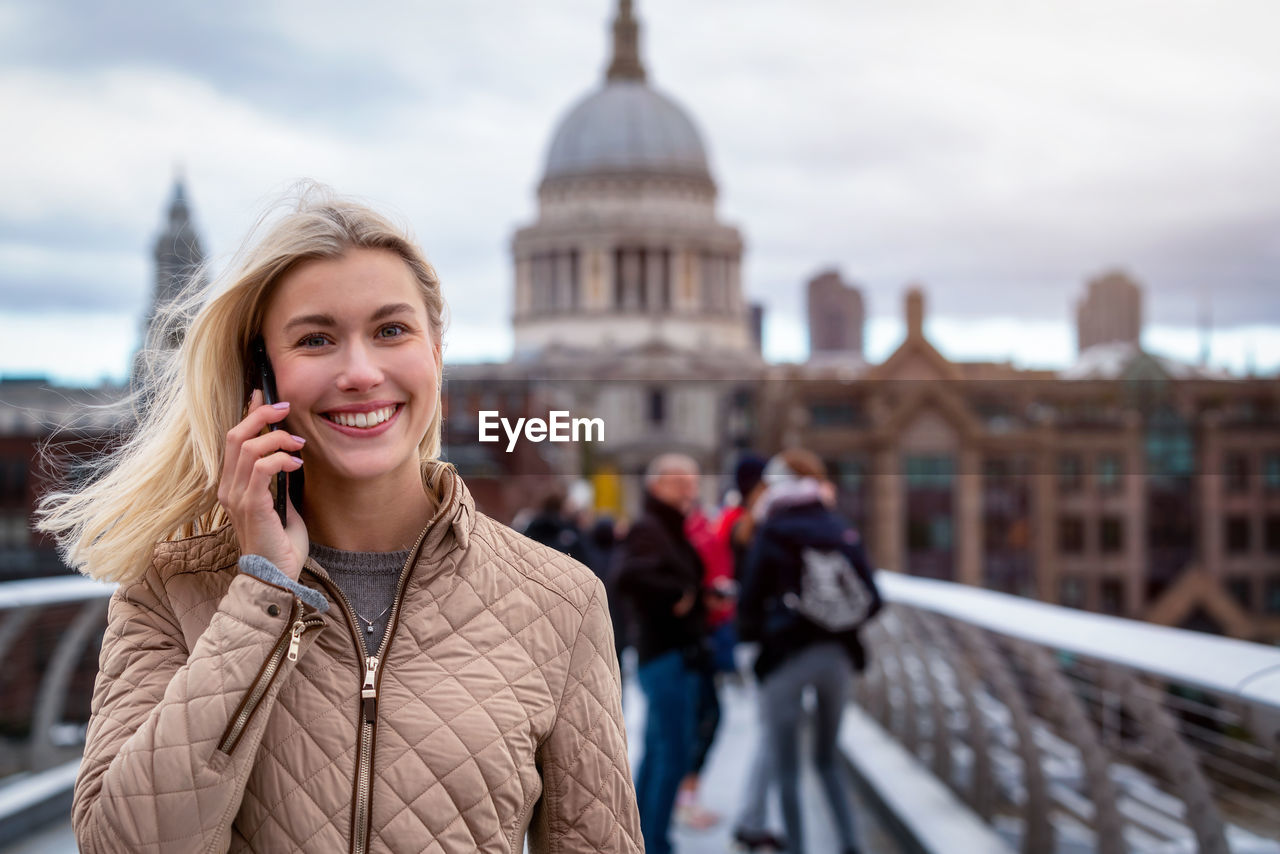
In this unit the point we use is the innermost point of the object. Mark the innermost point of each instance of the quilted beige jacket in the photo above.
(229, 716)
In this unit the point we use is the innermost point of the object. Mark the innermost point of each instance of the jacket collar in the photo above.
(670, 518)
(455, 515)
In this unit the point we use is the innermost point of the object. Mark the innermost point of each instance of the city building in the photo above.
(836, 316)
(1110, 312)
(1128, 483)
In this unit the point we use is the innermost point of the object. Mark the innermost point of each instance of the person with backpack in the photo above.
(806, 591)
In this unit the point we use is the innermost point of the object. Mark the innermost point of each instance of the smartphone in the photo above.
(266, 380)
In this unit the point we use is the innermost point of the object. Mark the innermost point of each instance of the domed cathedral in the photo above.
(628, 296)
(627, 252)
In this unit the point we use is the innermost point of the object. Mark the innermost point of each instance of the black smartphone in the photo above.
(266, 380)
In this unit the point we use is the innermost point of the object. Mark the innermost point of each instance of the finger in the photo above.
(255, 449)
(258, 492)
(250, 426)
(257, 420)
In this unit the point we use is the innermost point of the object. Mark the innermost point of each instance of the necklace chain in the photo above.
(369, 622)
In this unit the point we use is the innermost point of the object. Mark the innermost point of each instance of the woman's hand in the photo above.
(251, 460)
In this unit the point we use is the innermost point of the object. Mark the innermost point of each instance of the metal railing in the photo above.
(1064, 731)
(50, 629)
(1068, 731)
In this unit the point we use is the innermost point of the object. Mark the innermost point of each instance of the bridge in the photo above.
(985, 723)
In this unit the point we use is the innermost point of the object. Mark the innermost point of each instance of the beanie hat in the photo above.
(748, 472)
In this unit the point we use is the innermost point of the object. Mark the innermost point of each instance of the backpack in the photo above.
(832, 595)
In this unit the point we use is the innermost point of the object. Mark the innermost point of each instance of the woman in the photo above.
(389, 670)
(807, 589)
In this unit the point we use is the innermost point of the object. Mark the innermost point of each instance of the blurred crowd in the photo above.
(771, 586)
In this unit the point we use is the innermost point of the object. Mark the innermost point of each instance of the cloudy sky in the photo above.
(999, 152)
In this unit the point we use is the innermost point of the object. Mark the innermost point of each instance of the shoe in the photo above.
(758, 841)
(695, 817)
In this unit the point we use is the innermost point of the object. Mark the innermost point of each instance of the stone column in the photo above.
(1135, 516)
(1044, 515)
(889, 519)
(968, 516)
(524, 285)
(1207, 480)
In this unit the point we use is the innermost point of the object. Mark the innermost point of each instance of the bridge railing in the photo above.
(50, 632)
(1068, 731)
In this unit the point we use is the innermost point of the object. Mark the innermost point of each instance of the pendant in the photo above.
(370, 629)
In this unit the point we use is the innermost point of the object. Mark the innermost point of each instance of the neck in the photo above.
(382, 515)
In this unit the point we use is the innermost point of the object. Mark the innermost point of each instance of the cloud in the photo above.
(1001, 153)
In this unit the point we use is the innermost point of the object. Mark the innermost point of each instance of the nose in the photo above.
(360, 370)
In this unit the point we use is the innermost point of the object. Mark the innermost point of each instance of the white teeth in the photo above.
(362, 419)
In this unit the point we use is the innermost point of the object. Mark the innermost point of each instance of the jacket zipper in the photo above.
(363, 789)
(288, 643)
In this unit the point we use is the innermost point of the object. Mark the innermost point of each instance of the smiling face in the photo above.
(350, 342)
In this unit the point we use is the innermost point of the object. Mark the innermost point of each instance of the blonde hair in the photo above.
(162, 483)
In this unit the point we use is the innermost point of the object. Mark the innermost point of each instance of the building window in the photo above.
(1071, 591)
(1111, 534)
(1070, 473)
(930, 471)
(832, 414)
(1271, 537)
(1110, 467)
(1271, 471)
(1241, 590)
(929, 535)
(1272, 595)
(15, 533)
(1237, 535)
(13, 481)
(1111, 596)
(1236, 470)
(1071, 535)
(657, 406)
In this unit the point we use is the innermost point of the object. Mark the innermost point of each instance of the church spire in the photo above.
(626, 46)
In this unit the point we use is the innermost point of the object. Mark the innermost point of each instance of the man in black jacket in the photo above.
(659, 575)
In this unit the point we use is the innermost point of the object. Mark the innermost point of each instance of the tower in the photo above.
(1111, 312)
(836, 315)
(179, 261)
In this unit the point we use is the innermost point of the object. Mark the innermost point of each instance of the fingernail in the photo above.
(298, 460)
(284, 404)
(299, 439)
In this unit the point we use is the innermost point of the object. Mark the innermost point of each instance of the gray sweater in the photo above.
(368, 580)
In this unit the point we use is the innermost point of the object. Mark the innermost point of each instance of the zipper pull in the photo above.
(295, 640)
(369, 693)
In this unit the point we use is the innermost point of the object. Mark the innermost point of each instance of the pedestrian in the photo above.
(736, 527)
(551, 527)
(717, 593)
(807, 590)
(361, 661)
(659, 574)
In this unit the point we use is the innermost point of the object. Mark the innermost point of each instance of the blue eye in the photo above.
(314, 340)
(391, 330)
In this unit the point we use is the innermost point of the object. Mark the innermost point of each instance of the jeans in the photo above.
(825, 668)
(671, 689)
(707, 717)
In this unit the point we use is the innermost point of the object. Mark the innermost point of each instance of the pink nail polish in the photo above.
(299, 439)
(284, 404)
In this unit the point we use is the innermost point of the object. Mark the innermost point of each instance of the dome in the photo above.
(626, 127)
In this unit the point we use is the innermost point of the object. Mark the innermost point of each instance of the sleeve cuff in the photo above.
(264, 570)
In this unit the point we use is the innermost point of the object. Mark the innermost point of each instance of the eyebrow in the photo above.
(328, 320)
